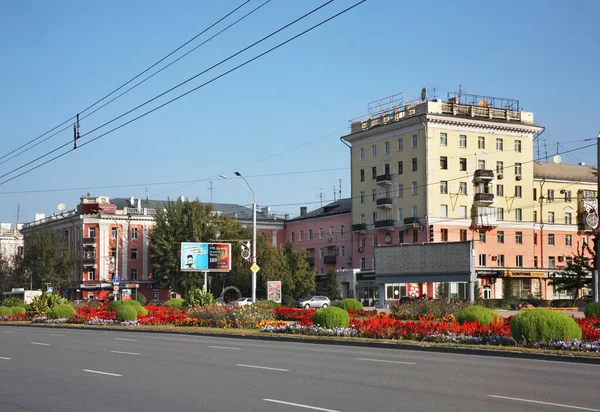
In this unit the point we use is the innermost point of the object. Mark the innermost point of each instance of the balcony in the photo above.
(413, 221)
(89, 241)
(329, 259)
(384, 223)
(385, 202)
(483, 175)
(385, 179)
(310, 260)
(359, 227)
(89, 261)
(483, 199)
(483, 217)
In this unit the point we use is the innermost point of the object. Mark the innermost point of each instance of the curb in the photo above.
(334, 342)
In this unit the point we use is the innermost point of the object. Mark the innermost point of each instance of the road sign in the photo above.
(255, 268)
(50, 289)
(116, 280)
(116, 288)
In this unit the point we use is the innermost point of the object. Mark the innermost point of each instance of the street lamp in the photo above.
(248, 189)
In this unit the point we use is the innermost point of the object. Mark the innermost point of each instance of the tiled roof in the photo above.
(335, 208)
(563, 171)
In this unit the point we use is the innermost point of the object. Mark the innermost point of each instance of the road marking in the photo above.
(101, 373)
(386, 361)
(299, 405)
(3, 358)
(56, 334)
(263, 367)
(40, 343)
(130, 340)
(124, 353)
(581, 408)
(225, 347)
(8, 331)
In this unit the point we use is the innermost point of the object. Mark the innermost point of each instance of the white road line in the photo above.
(386, 361)
(299, 405)
(581, 408)
(40, 343)
(124, 353)
(225, 347)
(130, 340)
(56, 334)
(263, 367)
(3, 358)
(8, 331)
(101, 373)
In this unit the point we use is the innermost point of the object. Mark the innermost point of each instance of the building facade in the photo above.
(11, 241)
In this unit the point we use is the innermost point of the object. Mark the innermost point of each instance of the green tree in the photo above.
(507, 290)
(442, 290)
(330, 286)
(302, 275)
(576, 274)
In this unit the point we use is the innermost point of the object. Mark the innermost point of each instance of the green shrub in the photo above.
(287, 300)
(543, 325)
(141, 298)
(267, 304)
(4, 311)
(479, 314)
(134, 303)
(592, 310)
(349, 303)
(18, 310)
(174, 303)
(126, 313)
(13, 301)
(46, 301)
(331, 317)
(412, 309)
(113, 304)
(61, 311)
(248, 316)
(198, 297)
(141, 310)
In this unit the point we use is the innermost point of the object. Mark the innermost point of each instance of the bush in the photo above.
(46, 301)
(331, 317)
(267, 304)
(435, 308)
(479, 314)
(543, 325)
(248, 316)
(18, 310)
(592, 310)
(126, 313)
(13, 301)
(4, 311)
(174, 303)
(115, 305)
(349, 303)
(61, 311)
(198, 297)
(287, 300)
(141, 298)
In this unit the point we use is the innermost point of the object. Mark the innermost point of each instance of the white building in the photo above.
(11, 240)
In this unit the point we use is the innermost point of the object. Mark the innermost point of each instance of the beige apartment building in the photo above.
(463, 169)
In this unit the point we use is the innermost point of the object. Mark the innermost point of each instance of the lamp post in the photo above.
(249, 190)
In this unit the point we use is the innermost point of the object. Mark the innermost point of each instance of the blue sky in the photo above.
(282, 114)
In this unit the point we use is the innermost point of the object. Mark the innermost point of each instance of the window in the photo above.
(518, 169)
(92, 232)
(463, 235)
(443, 139)
(362, 153)
(400, 144)
(568, 240)
(321, 253)
(134, 274)
(374, 240)
(374, 216)
(342, 229)
(462, 164)
(362, 175)
(331, 231)
(401, 236)
(134, 254)
(386, 148)
(415, 236)
(567, 195)
(481, 142)
(154, 294)
(499, 145)
(550, 197)
(535, 235)
(443, 210)
(115, 233)
(310, 234)
(499, 190)
(373, 194)
(414, 188)
(500, 259)
(463, 212)
(363, 263)
(482, 236)
(386, 169)
(362, 197)
(518, 191)
(92, 274)
(481, 164)
(499, 167)
(301, 236)
(534, 216)
(321, 229)
(443, 162)
(400, 190)
(551, 262)
(444, 234)
(499, 213)
(414, 164)
(462, 141)
(462, 188)
(415, 211)
(414, 141)
(550, 217)
(519, 238)
(482, 260)
(551, 239)
(535, 261)
(518, 146)
(444, 187)
(373, 150)
(374, 172)
(519, 214)
(400, 167)
(134, 233)
(400, 213)
(292, 237)
(362, 242)
(342, 251)
(500, 236)
(568, 218)
(519, 261)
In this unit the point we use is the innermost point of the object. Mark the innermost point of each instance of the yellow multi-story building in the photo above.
(460, 169)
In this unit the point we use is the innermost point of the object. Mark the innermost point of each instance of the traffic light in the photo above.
(245, 246)
(431, 237)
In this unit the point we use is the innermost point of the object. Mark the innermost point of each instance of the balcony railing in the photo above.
(89, 261)
(483, 175)
(90, 241)
(413, 221)
(384, 179)
(483, 199)
(384, 223)
(385, 202)
(359, 227)
(329, 259)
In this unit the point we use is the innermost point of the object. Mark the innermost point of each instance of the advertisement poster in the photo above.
(126, 294)
(209, 257)
(29, 295)
(274, 291)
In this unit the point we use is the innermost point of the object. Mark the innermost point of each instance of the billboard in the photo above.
(205, 257)
(274, 291)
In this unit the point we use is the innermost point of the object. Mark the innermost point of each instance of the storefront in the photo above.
(525, 284)
(96, 291)
(489, 288)
(366, 289)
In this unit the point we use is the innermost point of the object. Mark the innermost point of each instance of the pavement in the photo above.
(53, 369)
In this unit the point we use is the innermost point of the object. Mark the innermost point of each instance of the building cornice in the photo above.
(375, 131)
(483, 125)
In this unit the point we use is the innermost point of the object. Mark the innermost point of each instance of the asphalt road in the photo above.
(44, 369)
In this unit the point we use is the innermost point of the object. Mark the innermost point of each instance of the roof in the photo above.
(563, 171)
(335, 208)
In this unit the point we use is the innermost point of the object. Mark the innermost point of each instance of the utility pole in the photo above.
(597, 233)
(211, 190)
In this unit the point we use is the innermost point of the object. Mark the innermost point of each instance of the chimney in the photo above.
(139, 204)
(303, 211)
(132, 201)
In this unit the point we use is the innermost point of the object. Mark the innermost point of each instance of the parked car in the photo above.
(313, 302)
(241, 302)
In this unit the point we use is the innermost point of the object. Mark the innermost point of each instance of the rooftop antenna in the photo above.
(18, 212)
(334, 193)
(147, 196)
(340, 189)
(434, 93)
(557, 158)
(211, 190)
(538, 150)
(546, 151)
(321, 196)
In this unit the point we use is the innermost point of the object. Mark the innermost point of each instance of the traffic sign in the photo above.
(50, 289)
(255, 268)
(116, 288)
(116, 280)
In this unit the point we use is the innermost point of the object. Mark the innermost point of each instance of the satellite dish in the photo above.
(557, 158)
(62, 207)
(423, 94)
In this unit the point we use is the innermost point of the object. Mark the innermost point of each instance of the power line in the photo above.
(125, 84)
(178, 97)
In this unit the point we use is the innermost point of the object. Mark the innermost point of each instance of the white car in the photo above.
(241, 302)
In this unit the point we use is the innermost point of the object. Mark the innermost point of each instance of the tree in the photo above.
(507, 290)
(302, 276)
(330, 286)
(442, 290)
(576, 274)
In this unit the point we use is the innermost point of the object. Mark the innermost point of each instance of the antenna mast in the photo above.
(18, 212)
(211, 190)
(334, 193)
(321, 196)
(546, 150)
(340, 189)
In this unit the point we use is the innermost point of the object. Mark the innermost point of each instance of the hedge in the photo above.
(592, 310)
(349, 303)
(18, 310)
(479, 314)
(126, 313)
(331, 317)
(5, 311)
(61, 311)
(543, 325)
(174, 303)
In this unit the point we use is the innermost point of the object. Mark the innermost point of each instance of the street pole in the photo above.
(597, 233)
(116, 271)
